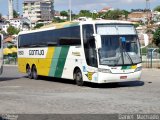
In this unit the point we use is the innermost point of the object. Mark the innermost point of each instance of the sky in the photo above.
(92, 5)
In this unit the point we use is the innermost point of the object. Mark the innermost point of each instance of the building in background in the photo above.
(10, 9)
(38, 10)
(106, 9)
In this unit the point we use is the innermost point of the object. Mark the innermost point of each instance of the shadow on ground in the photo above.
(94, 85)
(8, 78)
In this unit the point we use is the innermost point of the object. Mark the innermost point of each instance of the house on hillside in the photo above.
(9, 41)
(105, 9)
(139, 16)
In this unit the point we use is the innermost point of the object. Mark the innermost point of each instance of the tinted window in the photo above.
(64, 36)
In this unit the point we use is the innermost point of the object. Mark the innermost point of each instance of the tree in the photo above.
(64, 13)
(85, 13)
(125, 13)
(15, 14)
(157, 8)
(39, 25)
(57, 20)
(113, 14)
(12, 30)
(156, 37)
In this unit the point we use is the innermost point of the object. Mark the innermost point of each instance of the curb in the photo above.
(5, 65)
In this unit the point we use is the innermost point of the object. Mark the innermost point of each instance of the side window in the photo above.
(89, 45)
(70, 36)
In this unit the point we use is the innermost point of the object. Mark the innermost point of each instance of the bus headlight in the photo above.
(104, 70)
(138, 69)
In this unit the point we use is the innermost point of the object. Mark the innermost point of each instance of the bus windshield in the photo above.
(119, 48)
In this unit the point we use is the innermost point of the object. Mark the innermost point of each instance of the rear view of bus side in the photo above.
(91, 51)
(1, 54)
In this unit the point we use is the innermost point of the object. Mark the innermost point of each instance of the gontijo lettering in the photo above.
(36, 52)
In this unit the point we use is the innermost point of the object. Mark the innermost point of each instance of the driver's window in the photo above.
(89, 45)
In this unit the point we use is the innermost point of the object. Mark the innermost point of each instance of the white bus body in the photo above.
(94, 51)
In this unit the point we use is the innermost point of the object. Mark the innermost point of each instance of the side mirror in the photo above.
(146, 40)
(98, 41)
(1, 39)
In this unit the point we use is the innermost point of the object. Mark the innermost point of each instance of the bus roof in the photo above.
(74, 23)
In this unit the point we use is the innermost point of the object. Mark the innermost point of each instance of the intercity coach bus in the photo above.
(1, 54)
(99, 51)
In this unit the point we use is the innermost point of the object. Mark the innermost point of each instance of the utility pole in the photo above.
(10, 9)
(147, 10)
(70, 11)
(17, 6)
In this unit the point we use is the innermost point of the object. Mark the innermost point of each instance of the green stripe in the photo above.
(61, 61)
(71, 25)
(126, 67)
(54, 61)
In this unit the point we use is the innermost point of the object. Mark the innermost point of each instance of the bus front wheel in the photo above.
(34, 73)
(78, 77)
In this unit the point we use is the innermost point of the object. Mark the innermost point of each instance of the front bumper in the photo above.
(111, 78)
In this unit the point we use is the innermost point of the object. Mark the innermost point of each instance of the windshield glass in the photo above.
(115, 52)
(120, 45)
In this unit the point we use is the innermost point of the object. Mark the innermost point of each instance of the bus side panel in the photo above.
(22, 63)
(74, 59)
(1, 55)
(44, 64)
(58, 61)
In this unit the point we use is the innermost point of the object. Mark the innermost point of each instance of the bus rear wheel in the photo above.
(78, 77)
(29, 72)
(34, 73)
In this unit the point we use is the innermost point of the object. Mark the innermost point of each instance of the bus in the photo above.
(1, 54)
(100, 51)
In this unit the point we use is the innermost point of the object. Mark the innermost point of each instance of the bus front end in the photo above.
(118, 53)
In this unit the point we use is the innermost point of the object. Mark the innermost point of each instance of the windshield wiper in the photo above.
(123, 50)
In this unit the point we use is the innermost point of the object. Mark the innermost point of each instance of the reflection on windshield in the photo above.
(114, 52)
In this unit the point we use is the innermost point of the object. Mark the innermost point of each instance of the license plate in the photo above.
(123, 77)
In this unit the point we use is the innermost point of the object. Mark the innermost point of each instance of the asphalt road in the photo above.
(20, 95)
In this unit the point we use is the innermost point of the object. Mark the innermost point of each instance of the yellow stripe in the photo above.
(133, 66)
(43, 64)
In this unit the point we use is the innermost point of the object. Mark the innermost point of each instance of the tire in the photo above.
(34, 73)
(29, 72)
(78, 77)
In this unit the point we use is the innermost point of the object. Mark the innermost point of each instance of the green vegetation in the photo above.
(12, 30)
(113, 14)
(57, 20)
(157, 8)
(156, 37)
(64, 13)
(85, 13)
(15, 14)
(39, 25)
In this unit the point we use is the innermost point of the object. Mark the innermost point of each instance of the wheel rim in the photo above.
(29, 72)
(78, 78)
(35, 76)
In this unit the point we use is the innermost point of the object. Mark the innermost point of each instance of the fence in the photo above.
(151, 58)
(10, 61)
